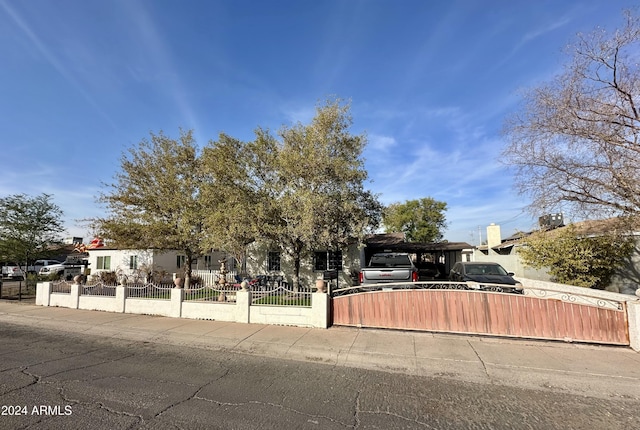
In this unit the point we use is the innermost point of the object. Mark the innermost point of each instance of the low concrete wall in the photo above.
(99, 303)
(148, 307)
(209, 311)
(241, 311)
(61, 300)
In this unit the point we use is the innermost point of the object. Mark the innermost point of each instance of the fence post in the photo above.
(43, 293)
(243, 304)
(633, 315)
(320, 302)
(177, 296)
(75, 295)
(121, 298)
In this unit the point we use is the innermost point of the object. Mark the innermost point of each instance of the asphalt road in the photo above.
(53, 380)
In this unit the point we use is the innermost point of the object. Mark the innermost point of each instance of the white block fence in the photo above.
(242, 311)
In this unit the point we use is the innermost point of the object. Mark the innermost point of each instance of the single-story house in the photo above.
(266, 260)
(505, 252)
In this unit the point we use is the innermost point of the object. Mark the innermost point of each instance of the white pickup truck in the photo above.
(66, 270)
(387, 267)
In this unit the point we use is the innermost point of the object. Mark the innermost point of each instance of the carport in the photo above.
(446, 253)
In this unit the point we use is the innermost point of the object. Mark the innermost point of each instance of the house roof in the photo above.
(384, 239)
(587, 228)
(396, 242)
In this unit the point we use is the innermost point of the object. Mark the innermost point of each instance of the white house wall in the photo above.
(159, 261)
(119, 260)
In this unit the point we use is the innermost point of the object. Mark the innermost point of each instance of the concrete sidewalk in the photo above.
(593, 370)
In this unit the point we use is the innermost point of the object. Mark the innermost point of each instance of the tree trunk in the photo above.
(297, 257)
(296, 272)
(187, 269)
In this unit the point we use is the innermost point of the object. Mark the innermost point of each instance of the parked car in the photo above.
(39, 264)
(12, 271)
(65, 270)
(484, 273)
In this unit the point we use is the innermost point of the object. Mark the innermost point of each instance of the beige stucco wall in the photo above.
(512, 263)
(257, 265)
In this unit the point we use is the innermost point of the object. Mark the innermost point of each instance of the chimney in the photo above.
(494, 238)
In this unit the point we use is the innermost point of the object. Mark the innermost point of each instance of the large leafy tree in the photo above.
(155, 201)
(311, 184)
(574, 257)
(29, 226)
(229, 193)
(421, 220)
(575, 143)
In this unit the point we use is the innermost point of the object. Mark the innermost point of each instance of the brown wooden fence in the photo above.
(480, 312)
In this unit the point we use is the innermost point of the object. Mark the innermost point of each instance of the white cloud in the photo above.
(381, 143)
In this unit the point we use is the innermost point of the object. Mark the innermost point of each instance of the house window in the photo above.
(207, 262)
(180, 261)
(133, 262)
(104, 263)
(327, 260)
(273, 261)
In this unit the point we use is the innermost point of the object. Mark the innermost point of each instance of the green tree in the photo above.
(311, 184)
(574, 143)
(29, 226)
(229, 194)
(577, 259)
(421, 220)
(155, 201)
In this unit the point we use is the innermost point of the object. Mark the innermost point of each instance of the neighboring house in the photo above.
(505, 252)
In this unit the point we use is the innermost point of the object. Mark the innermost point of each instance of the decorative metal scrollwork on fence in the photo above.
(99, 289)
(149, 291)
(428, 285)
(574, 298)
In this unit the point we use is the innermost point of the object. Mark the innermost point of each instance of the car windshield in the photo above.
(485, 269)
(390, 260)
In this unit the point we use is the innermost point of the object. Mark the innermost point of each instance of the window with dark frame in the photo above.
(273, 261)
(133, 262)
(181, 260)
(327, 260)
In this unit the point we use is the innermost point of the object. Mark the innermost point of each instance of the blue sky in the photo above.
(430, 83)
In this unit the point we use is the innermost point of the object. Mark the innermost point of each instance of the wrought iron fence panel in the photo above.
(281, 296)
(149, 291)
(61, 287)
(99, 289)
